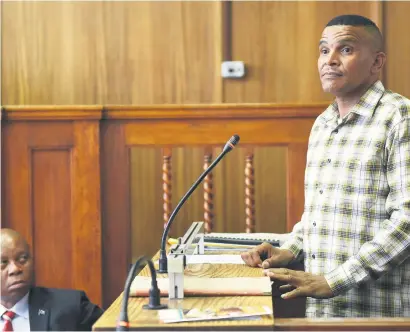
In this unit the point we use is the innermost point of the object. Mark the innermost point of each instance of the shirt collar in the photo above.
(365, 107)
(20, 308)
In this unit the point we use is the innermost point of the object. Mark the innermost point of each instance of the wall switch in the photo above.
(233, 69)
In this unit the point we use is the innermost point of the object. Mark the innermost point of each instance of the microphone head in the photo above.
(234, 139)
(231, 143)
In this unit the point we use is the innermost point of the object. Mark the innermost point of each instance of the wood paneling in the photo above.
(296, 163)
(111, 52)
(278, 41)
(147, 223)
(271, 189)
(51, 194)
(86, 207)
(115, 213)
(397, 43)
(51, 200)
(282, 130)
(144, 52)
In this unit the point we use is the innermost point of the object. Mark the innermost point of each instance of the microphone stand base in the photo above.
(154, 307)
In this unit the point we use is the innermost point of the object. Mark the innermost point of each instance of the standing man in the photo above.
(25, 307)
(354, 234)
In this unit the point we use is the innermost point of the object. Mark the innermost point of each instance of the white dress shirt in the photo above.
(21, 321)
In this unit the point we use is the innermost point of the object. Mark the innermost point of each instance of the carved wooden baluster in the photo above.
(208, 195)
(249, 194)
(166, 184)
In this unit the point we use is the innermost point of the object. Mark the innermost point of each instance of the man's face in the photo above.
(16, 268)
(346, 60)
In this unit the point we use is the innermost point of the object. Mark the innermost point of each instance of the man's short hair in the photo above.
(354, 20)
(360, 21)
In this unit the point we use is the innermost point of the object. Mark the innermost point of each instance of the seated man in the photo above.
(25, 307)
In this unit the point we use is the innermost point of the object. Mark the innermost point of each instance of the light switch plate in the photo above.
(233, 69)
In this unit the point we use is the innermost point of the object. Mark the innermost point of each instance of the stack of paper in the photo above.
(194, 286)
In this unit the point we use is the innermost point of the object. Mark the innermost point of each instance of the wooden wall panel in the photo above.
(271, 189)
(278, 40)
(16, 212)
(145, 52)
(147, 223)
(296, 163)
(153, 52)
(229, 184)
(103, 52)
(397, 43)
(51, 223)
(51, 194)
(86, 208)
(116, 209)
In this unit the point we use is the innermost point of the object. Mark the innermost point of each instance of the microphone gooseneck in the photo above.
(123, 323)
(163, 261)
(154, 294)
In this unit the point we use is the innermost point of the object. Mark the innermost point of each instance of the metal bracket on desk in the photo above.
(190, 244)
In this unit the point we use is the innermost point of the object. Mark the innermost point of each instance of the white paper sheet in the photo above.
(215, 259)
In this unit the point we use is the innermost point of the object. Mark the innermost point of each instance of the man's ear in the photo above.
(378, 63)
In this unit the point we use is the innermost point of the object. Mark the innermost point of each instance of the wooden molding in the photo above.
(162, 112)
(52, 112)
(214, 111)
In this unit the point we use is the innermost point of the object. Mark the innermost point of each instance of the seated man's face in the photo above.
(16, 268)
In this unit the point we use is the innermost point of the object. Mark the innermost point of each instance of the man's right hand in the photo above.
(274, 257)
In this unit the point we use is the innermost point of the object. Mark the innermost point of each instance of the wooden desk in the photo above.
(141, 319)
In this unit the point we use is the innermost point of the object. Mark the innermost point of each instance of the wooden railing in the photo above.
(66, 178)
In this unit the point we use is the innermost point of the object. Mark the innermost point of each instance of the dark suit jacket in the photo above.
(53, 309)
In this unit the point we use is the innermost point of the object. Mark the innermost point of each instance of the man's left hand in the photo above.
(300, 283)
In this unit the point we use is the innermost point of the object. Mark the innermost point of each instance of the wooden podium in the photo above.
(142, 319)
(288, 315)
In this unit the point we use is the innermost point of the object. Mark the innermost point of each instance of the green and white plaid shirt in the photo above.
(355, 229)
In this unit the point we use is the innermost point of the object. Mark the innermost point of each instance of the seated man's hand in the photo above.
(300, 283)
(265, 255)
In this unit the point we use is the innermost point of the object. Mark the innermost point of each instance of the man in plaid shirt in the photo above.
(354, 234)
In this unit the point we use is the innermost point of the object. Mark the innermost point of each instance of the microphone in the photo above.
(154, 294)
(163, 261)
